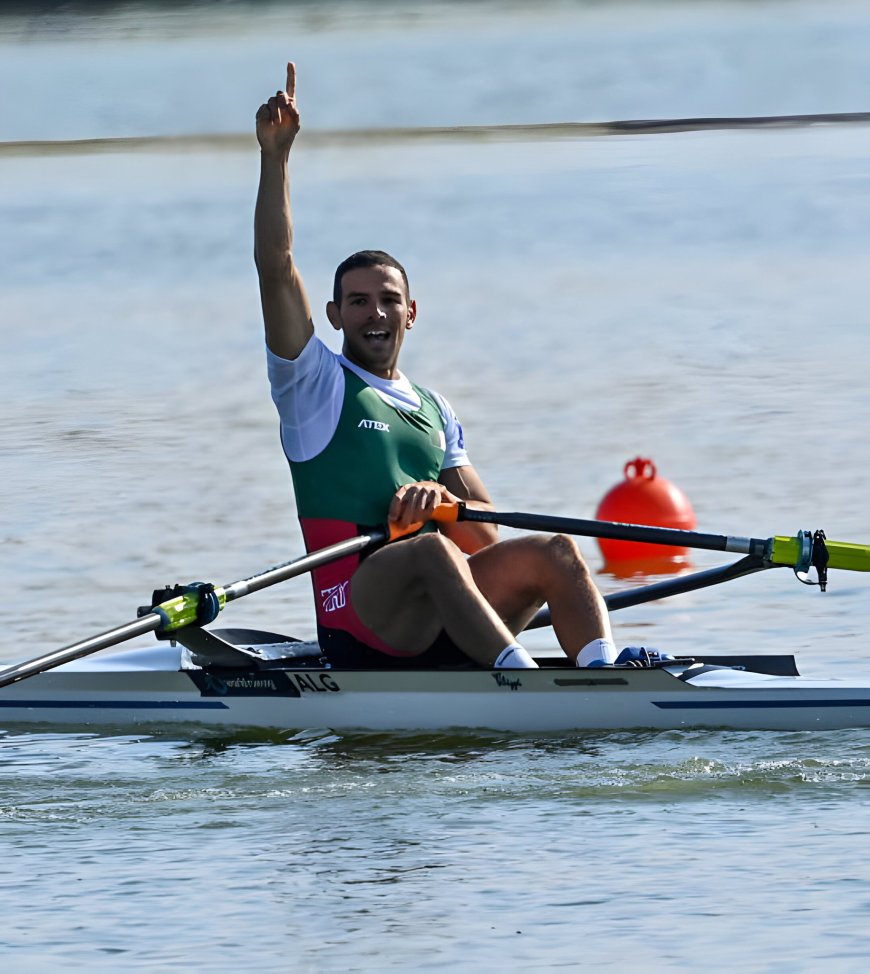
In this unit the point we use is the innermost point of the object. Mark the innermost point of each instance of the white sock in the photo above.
(596, 651)
(514, 657)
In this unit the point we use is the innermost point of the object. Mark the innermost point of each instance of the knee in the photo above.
(549, 559)
(564, 552)
(434, 551)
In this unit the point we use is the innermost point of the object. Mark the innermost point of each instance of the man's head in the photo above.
(366, 258)
(372, 308)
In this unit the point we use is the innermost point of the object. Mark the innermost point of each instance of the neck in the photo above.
(388, 371)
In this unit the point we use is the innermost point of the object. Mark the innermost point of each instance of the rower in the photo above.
(364, 442)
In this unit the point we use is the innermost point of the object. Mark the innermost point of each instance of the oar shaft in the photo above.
(789, 551)
(668, 587)
(182, 610)
(84, 647)
(617, 532)
(300, 566)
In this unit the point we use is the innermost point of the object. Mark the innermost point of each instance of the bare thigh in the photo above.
(391, 599)
(406, 593)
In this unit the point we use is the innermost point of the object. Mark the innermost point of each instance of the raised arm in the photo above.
(286, 311)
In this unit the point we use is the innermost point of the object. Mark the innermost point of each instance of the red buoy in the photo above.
(644, 498)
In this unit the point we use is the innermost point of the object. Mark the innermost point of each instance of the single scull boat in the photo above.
(249, 678)
(285, 685)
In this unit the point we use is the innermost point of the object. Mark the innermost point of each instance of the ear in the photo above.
(334, 315)
(412, 315)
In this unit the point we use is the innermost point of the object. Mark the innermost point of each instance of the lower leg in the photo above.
(517, 576)
(471, 622)
(577, 608)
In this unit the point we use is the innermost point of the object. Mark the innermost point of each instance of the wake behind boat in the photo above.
(248, 678)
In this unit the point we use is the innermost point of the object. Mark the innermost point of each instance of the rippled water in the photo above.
(698, 298)
(680, 850)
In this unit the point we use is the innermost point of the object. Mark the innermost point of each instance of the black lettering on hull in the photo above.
(248, 683)
(261, 683)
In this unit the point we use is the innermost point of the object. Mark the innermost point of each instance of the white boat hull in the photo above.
(159, 686)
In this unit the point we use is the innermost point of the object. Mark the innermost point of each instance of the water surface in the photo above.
(697, 298)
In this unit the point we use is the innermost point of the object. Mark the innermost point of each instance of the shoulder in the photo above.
(308, 392)
(440, 402)
(455, 453)
(315, 364)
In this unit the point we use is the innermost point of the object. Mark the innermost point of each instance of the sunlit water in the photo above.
(698, 298)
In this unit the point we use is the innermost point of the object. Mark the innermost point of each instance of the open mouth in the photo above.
(377, 336)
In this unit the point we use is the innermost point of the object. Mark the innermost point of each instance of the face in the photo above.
(374, 315)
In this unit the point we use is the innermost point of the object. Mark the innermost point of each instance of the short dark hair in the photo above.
(366, 258)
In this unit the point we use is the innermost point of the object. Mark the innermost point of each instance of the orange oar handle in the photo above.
(445, 513)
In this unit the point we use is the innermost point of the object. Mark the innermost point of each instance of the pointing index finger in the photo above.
(291, 80)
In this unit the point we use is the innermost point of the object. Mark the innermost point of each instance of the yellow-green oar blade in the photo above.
(841, 554)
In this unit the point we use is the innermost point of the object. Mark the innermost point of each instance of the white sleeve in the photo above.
(308, 392)
(455, 454)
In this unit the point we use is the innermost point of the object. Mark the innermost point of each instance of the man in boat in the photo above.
(366, 445)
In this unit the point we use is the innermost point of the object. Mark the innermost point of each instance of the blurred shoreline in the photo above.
(243, 141)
